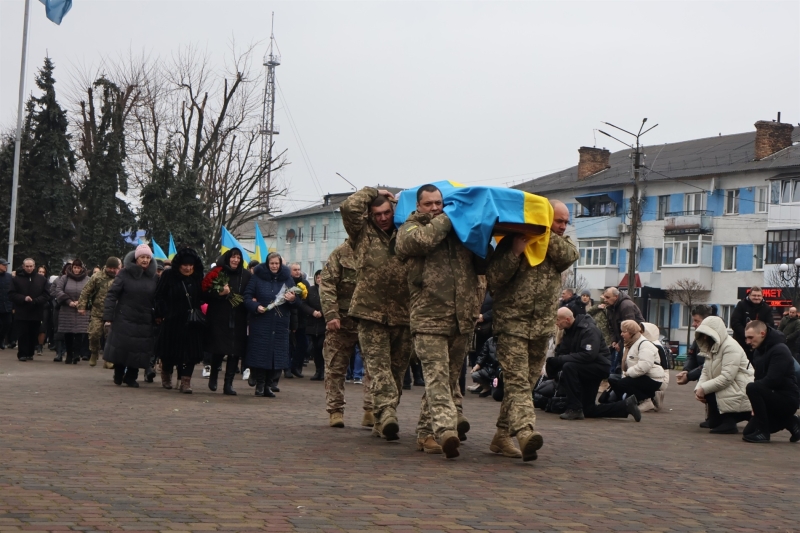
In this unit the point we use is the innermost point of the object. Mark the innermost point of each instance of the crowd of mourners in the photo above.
(395, 306)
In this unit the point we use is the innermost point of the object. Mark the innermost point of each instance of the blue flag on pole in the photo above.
(56, 9)
(228, 241)
(158, 253)
(172, 250)
(261, 246)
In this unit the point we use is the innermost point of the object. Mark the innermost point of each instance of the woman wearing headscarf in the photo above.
(268, 345)
(74, 326)
(226, 333)
(128, 311)
(177, 307)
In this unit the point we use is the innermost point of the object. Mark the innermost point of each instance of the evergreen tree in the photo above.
(170, 203)
(46, 201)
(106, 219)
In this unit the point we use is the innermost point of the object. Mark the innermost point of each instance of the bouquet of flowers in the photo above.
(216, 280)
(299, 291)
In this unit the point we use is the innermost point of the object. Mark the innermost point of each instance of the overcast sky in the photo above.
(403, 93)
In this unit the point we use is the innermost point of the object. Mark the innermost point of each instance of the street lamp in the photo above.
(793, 277)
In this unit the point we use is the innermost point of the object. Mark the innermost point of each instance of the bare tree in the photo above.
(688, 292)
(569, 280)
(772, 278)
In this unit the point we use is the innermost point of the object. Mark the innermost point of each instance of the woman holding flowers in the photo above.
(226, 317)
(268, 298)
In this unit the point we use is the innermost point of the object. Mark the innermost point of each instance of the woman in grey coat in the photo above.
(74, 326)
(129, 312)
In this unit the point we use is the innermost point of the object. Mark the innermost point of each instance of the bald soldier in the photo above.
(524, 308)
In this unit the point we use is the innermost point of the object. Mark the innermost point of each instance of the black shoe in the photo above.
(22, 359)
(317, 377)
(227, 387)
(131, 383)
(633, 408)
(149, 375)
(75, 360)
(794, 429)
(572, 414)
(274, 389)
(260, 388)
(757, 437)
(485, 393)
(30, 358)
(117, 381)
(406, 386)
(296, 373)
(419, 382)
(67, 361)
(38, 349)
(58, 358)
(84, 358)
(726, 428)
(287, 374)
(212, 380)
(704, 424)
(268, 393)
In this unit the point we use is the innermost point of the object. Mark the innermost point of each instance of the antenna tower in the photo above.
(268, 127)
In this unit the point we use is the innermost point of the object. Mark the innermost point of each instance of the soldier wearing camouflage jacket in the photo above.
(335, 292)
(524, 310)
(94, 295)
(380, 301)
(443, 282)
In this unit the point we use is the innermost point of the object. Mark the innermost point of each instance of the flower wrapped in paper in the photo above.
(280, 298)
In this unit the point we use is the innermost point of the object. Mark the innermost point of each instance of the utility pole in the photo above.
(636, 208)
(268, 129)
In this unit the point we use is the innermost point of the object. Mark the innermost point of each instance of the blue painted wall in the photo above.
(647, 259)
(744, 257)
(716, 203)
(675, 316)
(716, 259)
(650, 208)
(622, 260)
(676, 202)
(571, 207)
(747, 201)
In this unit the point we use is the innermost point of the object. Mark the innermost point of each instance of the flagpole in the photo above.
(12, 227)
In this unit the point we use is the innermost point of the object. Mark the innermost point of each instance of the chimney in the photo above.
(592, 161)
(772, 137)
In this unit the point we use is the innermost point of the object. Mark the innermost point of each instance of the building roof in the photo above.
(330, 204)
(697, 158)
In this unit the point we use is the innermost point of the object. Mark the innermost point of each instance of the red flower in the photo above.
(208, 281)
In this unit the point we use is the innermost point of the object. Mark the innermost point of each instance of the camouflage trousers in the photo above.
(522, 361)
(339, 348)
(442, 358)
(95, 336)
(386, 351)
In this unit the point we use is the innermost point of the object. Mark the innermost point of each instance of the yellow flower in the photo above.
(304, 289)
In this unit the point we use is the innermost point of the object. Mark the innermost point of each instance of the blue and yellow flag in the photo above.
(261, 250)
(56, 9)
(172, 250)
(158, 253)
(480, 213)
(228, 241)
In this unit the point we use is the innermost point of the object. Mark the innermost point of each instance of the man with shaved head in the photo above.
(525, 299)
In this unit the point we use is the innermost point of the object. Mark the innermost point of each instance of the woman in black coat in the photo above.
(315, 326)
(268, 344)
(180, 340)
(128, 310)
(226, 328)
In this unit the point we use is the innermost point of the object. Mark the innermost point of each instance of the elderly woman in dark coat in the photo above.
(128, 310)
(180, 340)
(226, 330)
(74, 326)
(268, 345)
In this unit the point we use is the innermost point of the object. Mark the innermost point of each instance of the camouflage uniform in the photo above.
(524, 310)
(335, 292)
(443, 283)
(601, 319)
(379, 302)
(96, 289)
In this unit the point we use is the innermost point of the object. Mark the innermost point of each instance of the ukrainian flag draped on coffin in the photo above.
(480, 213)
(228, 241)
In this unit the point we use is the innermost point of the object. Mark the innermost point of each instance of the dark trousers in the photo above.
(298, 348)
(315, 344)
(184, 370)
(77, 344)
(28, 331)
(5, 327)
(581, 382)
(126, 374)
(643, 387)
(774, 410)
(715, 418)
(230, 366)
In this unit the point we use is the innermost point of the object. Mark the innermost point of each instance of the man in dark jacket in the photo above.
(773, 395)
(790, 327)
(619, 307)
(6, 279)
(29, 294)
(582, 360)
(751, 307)
(573, 302)
(299, 342)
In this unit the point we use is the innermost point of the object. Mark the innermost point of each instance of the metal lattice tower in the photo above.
(268, 127)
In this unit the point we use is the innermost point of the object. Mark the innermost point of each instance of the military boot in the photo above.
(337, 419)
(93, 360)
(390, 427)
(368, 420)
(450, 443)
(462, 427)
(503, 444)
(529, 442)
(428, 445)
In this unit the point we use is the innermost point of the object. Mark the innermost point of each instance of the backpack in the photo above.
(664, 359)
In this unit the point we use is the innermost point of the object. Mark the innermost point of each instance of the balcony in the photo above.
(671, 274)
(603, 227)
(783, 216)
(688, 223)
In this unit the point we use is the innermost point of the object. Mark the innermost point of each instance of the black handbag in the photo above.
(193, 316)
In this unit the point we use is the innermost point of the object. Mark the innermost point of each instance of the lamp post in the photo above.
(791, 277)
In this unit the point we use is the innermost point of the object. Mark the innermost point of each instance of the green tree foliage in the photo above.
(105, 218)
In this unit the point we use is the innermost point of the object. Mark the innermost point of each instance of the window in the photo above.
(598, 253)
(725, 314)
(783, 246)
(694, 203)
(758, 257)
(728, 258)
(761, 199)
(299, 235)
(686, 316)
(311, 268)
(312, 234)
(732, 202)
(687, 250)
(659, 259)
(663, 207)
(790, 191)
(324, 233)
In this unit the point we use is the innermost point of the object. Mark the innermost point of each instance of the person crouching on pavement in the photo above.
(642, 374)
(726, 373)
(582, 357)
(774, 394)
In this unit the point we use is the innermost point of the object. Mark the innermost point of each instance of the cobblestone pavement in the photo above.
(81, 454)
